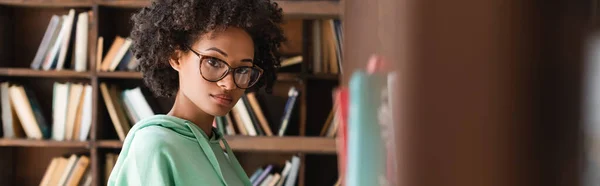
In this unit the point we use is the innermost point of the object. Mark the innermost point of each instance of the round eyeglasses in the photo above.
(213, 69)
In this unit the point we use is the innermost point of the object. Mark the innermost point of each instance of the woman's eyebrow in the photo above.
(217, 50)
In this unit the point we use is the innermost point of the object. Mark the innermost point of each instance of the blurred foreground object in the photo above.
(491, 90)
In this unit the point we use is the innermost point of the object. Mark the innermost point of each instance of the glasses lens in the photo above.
(245, 77)
(212, 69)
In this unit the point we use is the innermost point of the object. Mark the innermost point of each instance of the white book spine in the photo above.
(243, 112)
(81, 43)
(86, 118)
(65, 40)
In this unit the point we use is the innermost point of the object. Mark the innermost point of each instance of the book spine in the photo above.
(289, 106)
(364, 142)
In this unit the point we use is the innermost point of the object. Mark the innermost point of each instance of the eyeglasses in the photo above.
(213, 69)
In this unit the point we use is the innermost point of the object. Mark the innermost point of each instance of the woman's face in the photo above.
(233, 46)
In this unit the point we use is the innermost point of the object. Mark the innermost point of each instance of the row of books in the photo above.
(66, 35)
(269, 176)
(119, 56)
(248, 117)
(125, 107)
(71, 109)
(327, 46)
(72, 171)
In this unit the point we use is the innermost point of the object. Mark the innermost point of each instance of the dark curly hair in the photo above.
(169, 25)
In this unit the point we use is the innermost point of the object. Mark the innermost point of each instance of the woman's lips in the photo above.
(222, 99)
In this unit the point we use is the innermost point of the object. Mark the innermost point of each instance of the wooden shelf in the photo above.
(323, 76)
(25, 72)
(123, 3)
(288, 144)
(315, 145)
(290, 8)
(48, 3)
(113, 144)
(42, 143)
(311, 8)
(120, 75)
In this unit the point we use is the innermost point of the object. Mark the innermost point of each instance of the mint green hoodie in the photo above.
(167, 150)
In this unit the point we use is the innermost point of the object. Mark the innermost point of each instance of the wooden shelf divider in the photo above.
(42, 143)
(288, 144)
(25, 72)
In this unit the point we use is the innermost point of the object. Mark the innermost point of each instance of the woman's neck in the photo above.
(184, 108)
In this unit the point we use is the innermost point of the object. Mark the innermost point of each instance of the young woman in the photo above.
(206, 53)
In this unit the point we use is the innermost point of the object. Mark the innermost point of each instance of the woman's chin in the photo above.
(217, 111)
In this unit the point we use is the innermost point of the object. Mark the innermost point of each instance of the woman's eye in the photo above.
(214, 62)
(243, 70)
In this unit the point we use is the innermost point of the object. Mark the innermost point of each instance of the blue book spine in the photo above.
(366, 151)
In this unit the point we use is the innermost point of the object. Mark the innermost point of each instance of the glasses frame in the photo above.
(229, 69)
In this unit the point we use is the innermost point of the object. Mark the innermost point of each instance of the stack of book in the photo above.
(74, 170)
(66, 35)
(125, 108)
(22, 115)
(268, 176)
(248, 118)
(327, 46)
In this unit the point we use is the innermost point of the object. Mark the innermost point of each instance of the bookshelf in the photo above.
(25, 160)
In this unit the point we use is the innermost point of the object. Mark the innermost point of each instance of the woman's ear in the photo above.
(175, 60)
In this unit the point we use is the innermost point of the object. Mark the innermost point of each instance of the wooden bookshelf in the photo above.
(28, 19)
(288, 144)
(48, 3)
(25, 72)
(120, 75)
(290, 8)
(42, 143)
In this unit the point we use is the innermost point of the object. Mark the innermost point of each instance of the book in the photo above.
(75, 92)
(37, 113)
(60, 100)
(68, 169)
(50, 60)
(49, 37)
(117, 118)
(273, 180)
(293, 174)
(49, 170)
(99, 50)
(56, 174)
(244, 117)
(253, 116)
(263, 175)
(64, 43)
(86, 117)
(284, 173)
(11, 126)
(81, 41)
(291, 61)
(77, 174)
(259, 113)
(112, 53)
(25, 112)
(267, 180)
(289, 106)
(365, 139)
(341, 99)
(229, 124)
(256, 174)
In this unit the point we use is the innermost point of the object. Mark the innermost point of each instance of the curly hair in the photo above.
(169, 25)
